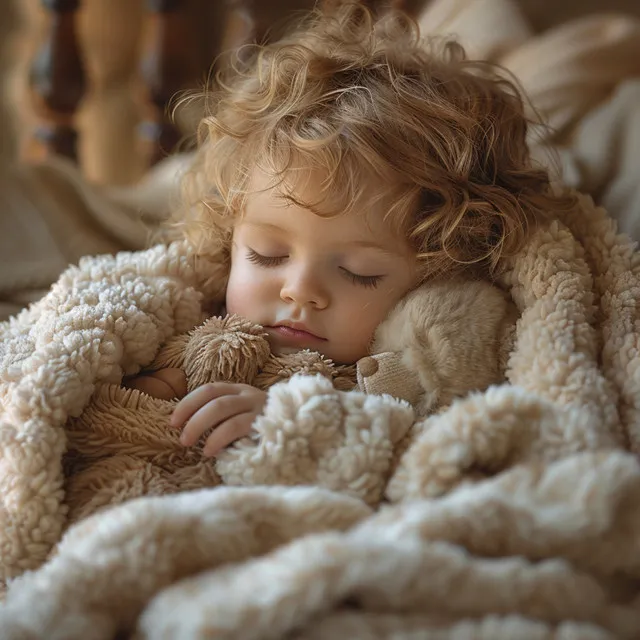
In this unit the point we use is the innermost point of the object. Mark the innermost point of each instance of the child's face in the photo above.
(323, 284)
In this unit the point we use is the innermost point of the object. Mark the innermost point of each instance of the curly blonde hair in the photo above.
(361, 98)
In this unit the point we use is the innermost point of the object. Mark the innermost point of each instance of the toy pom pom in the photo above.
(229, 349)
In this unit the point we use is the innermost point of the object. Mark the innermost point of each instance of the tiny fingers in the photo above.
(226, 408)
(212, 414)
(198, 398)
(228, 432)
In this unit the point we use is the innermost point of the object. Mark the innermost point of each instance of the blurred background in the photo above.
(90, 160)
(133, 55)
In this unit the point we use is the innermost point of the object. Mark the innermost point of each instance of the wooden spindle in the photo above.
(58, 80)
(170, 66)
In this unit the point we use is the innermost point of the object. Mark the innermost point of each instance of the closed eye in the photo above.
(265, 261)
(370, 282)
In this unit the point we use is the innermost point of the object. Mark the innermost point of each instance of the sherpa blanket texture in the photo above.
(512, 513)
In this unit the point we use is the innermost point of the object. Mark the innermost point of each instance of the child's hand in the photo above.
(230, 408)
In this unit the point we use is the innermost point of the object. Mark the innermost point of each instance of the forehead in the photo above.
(308, 197)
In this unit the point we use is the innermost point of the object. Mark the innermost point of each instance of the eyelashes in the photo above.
(369, 282)
(265, 261)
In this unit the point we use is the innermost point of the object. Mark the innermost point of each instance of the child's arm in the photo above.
(166, 384)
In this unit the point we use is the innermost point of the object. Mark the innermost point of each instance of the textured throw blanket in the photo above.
(507, 513)
(445, 340)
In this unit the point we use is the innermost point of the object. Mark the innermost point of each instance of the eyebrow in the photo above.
(264, 225)
(365, 244)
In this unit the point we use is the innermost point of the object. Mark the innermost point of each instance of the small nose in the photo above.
(304, 288)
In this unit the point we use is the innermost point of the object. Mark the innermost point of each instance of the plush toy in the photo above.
(323, 424)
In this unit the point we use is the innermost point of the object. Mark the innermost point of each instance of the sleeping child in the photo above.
(340, 170)
(363, 187)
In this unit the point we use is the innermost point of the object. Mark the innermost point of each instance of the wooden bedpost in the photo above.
(169, 66)
(58, 80)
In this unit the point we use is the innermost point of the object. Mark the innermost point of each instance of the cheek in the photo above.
(370, 309)
(362, 316)
(365, 317)
(245, 291)
(360, 319)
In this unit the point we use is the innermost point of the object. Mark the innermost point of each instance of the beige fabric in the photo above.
(457, 336)
(386, 373)
(601, 155)
(51, 217)
(513, 512)
(548, 13)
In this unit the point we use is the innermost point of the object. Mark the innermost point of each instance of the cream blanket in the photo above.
(511, 513)
(445, 340)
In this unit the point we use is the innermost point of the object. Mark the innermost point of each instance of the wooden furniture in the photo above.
(58, 80)
(178, 45)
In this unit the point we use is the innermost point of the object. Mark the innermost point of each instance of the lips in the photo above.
(295, 332)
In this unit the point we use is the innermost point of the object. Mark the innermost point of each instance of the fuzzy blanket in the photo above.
(508, 513)
(443, 341)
